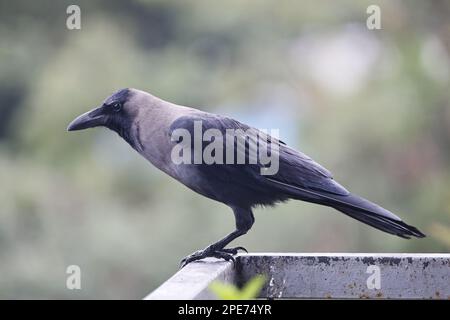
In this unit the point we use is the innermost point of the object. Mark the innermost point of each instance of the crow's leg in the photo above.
(244, 221)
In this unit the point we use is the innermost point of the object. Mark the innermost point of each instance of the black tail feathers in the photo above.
(355, 207)
(375, 216)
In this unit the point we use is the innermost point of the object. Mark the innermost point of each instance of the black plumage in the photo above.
(147, 124)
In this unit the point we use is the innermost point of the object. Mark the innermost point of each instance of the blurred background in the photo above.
(372, 106)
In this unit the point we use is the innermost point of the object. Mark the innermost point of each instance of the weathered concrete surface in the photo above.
(192, 281)
(320, 275)
(346, 275)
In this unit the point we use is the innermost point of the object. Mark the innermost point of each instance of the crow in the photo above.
(154, 128)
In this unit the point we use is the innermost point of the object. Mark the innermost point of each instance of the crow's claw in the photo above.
(234, 251)
(225, 253)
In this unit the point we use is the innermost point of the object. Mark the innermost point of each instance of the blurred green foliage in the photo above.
(371, 106)
(250, 290)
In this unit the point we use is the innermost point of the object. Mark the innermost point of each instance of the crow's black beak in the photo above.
(90, 119)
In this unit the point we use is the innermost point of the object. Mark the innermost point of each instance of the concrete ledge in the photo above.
(192, 281)
(316, 276)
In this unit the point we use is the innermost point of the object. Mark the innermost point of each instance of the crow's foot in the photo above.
(225, 253)
(234, 251)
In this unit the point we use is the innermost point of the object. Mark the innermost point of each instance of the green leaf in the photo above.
(251, 289)
(224, 291)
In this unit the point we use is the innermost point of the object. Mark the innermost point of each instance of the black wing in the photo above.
(298, 177)
(295, 168)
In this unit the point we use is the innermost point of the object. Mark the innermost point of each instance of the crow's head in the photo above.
(116, 113)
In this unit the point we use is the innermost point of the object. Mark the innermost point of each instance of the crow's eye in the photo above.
(116, 107)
